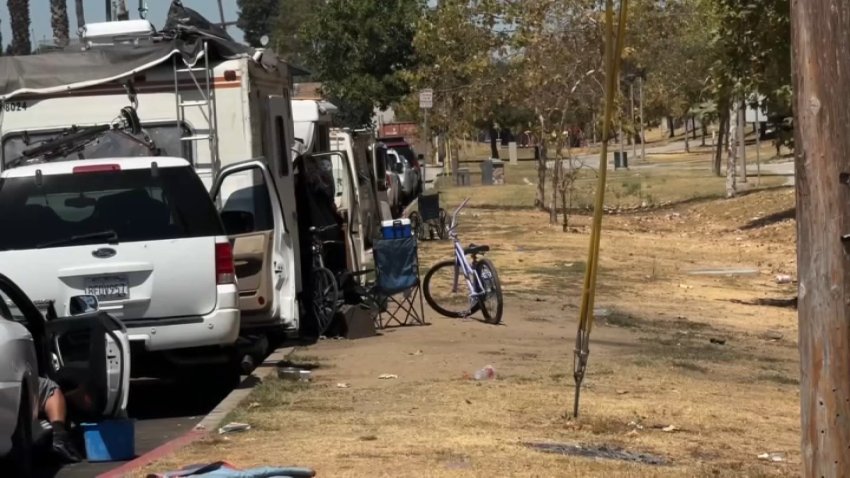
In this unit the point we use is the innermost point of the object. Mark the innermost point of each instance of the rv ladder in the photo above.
(204, 129)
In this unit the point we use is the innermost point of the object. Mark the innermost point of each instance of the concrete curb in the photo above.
(210, 422)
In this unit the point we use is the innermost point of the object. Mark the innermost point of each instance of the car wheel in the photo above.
(20, 460)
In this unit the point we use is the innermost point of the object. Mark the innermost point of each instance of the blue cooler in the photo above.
(110, 440)
(396, 229)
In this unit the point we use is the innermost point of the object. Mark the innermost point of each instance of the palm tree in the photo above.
(19, 12)
(59, 21)
(81, 16)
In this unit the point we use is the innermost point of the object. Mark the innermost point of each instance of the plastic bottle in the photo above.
(486, 373)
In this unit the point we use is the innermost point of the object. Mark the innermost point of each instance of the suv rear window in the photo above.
(136, 204)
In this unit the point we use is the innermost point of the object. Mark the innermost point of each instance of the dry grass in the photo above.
(652, 362)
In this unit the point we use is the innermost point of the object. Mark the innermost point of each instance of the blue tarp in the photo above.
(224, 470)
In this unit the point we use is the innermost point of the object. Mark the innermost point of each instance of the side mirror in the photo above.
(83, 304)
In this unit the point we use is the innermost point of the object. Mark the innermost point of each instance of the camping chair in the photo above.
(397, 287)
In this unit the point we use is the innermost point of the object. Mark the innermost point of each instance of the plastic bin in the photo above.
(396, 229)
(110, 440)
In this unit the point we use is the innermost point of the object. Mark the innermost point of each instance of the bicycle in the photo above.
(325, 293)
(482, 281)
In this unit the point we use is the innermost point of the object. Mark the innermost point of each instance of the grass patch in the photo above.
(686, 365)
(778, 377)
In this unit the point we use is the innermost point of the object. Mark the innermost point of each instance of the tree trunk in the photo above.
(494, 142)
(742, 140)
(553, 202)
(687, 141)
(693, 127)
(19, 12)
(59, 21)
(704, 130)
(724, 124)
(671, 126)
(732, 151)
(820, 40)
(81, 15)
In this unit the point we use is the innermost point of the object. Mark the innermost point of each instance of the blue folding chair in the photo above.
(397, 287)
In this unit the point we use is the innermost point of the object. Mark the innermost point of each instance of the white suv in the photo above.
(140, 234)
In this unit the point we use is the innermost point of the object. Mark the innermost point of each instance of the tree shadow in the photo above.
(771, 219)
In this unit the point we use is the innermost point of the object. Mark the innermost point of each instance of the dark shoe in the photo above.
(64, 450)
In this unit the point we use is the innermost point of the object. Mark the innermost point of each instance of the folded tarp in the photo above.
(223, 469)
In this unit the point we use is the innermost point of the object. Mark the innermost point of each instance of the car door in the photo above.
(88, 350)
(251, 213)
(350, 207)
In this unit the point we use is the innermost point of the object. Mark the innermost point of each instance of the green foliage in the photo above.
(287, 38)
(360, 51)
(256, 18)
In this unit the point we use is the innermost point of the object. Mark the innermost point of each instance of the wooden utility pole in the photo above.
(820, 31)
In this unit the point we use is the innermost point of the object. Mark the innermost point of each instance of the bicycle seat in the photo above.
(473, 249)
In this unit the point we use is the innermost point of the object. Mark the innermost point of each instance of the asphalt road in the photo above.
(163, 411)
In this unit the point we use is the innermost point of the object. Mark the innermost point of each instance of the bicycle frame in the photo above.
(473, 280)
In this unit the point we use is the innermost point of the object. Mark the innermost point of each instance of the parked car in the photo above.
(406, 166)
(88, 347)
(143, 236)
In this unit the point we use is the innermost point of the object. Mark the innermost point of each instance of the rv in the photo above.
(223, 107)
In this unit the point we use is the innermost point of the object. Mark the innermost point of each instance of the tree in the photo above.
(360, 51)
(59, 21)
(821, 39)
(288, 40)
(257, 18)
(555, 75)
(19, 13)
(456, 44)
(672, 41)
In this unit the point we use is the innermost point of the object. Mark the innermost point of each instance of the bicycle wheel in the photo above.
(325, 297)
(491, 303)
(437, 289)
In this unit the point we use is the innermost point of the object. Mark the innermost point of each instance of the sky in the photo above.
(95, 11)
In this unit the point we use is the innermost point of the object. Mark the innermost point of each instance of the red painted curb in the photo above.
(153, 455)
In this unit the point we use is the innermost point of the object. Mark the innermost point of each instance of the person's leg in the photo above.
(53, 406)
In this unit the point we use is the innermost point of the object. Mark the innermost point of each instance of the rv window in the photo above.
(110, 144)
(283, 151)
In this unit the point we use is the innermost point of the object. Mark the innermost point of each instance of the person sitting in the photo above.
(52, 405)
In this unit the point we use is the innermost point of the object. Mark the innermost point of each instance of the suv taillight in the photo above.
(225, 272)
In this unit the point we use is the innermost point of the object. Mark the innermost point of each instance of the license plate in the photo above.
(108, 288)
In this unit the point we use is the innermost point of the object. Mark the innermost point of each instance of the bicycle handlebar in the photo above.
(457, 211)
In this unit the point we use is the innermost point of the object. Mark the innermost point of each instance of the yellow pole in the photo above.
(613, 52)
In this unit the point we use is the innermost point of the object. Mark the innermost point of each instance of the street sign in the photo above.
(426, 99)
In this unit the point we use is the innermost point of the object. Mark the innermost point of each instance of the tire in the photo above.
(443, 231)
(444, 272)
(19, 461)
(325, 298)
(492, 303)
(417, 225)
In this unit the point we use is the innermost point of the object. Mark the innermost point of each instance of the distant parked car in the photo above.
(408, 167)
(143, 236)
(90, 349)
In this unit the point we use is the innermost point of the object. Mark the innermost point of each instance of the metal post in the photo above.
(642, 133)
(221, 14)
(758, 147)
(632, 94)
(108, 10)
(427, 134)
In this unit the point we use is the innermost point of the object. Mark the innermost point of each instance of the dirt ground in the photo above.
(681, 366)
